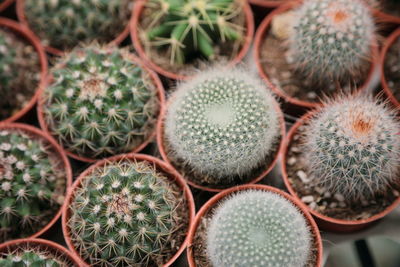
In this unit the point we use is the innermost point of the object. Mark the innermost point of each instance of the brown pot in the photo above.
(134, 30)
(161, 147)
(388, 91)
(214, 201)
(5, 4)
(161, 98)
(324, 222)
(55, 51)
(259, 40)
(160, 165)
(40, 134)
(46, 245)
(31, 39)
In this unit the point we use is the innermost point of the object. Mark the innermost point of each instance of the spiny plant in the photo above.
(101, 102)
(66, 23)
(223, 124)
(29, 259)
(353, 147)
(258, 228)
(124, 214)
(32, 186)
(192, 27)
(332, 39)
(7, 55)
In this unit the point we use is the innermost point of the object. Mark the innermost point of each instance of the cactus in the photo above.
(101, 102)
(64, 24)
(192, 28)
(7, 55)
(223, 124)
(353, 147)
(332, 39)
(124, 214)
(29, 258)
(32, 186)
(258, 228)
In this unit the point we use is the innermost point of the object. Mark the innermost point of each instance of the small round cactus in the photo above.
(7, 55)
(258, 228)
(32, 184)
(63, 24)
(332, 38)
(222, 124)
(353, 147)
(29, 259)
(100, 103)
(124, 214)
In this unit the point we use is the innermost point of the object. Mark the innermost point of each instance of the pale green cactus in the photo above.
(29, 259)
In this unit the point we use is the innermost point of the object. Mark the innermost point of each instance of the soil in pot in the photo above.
(392, 68)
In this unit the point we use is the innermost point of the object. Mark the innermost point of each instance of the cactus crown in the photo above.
(29, 259)
(66, 23)
(7, 55)
(223, 123)
(258, 228)
(189, 28)
(353, 147)
(332, 38)
(123, 214)
(100, 103)
(32, 186)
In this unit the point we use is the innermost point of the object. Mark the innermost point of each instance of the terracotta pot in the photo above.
(46, 245)
(5, 4)
(161, 147)
(295, 102)
(55, 51)
(324, 222)
(214, 201)
(30, 38)
(267, 3)
(160, 166)
(57, 149)
(134, 30)
(388, 91)
(161, 98)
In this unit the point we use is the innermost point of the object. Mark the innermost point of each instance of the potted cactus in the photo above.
(254, 225)
(175, 37)
(343, 162)
(34, 177)
(220, 129)
(390, 65)
(23, 67)
(35, 252)
(63, 24)
(100, 101)
(309, 49)
(129, 210)
(4, 4)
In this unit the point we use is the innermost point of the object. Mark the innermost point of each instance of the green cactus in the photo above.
(187, 29)
(353, 147)
(7, 55)
(29, 259)
(222, 124)
(332, 39)
(32, 186)
(63, 24)
(124, 214)
(101, 102)
(258, 228)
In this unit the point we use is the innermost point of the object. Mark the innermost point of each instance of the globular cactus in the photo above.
(124, 214)
(63, 24)
(332, 39)
(100, 103)
(189, 28)
(353, 147)
(29, 259)
(258, 228)
(7, 55)
(222, 124)
(32, 185)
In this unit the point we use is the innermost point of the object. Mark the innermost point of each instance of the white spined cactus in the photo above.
(223, 124)
(258, 228)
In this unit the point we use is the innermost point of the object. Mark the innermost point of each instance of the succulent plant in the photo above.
(332, 39)
(223, 124)
(64, 24)
(29, 259)
(32, 185)
(7, 55)
(192, 28)
(353, 147)
(100, 103)
(124, 214)
(258, 228)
